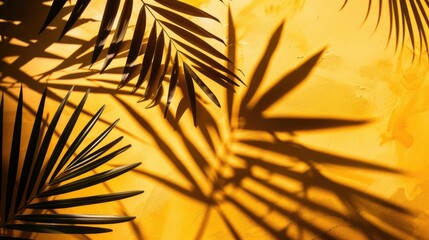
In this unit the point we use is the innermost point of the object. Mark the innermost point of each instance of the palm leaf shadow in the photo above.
(12, 12)
(361, 207)
(41, 173)
(406, 19)
(190, 45)
(200, 58)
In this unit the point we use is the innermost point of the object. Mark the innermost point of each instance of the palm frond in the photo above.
(407, 19)
(172, 29)
(42, 172)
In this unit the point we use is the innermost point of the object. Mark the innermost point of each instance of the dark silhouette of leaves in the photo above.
(282, 162)
(173, 83)
(135, 47)
(259, 73)
(105, 27)
(23, 187)
(119, 33)
(186, 8)
(286, 84)
(191, 94)
(172, 18)
(407, 19)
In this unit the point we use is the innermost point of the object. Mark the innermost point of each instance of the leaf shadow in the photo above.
(258, 169)
(312, 159)
(19, 26)
(407, 19)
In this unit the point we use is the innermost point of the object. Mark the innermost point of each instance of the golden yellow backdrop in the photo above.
(239, 175)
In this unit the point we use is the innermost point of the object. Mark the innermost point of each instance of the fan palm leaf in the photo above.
(170, 29)
(42, 173)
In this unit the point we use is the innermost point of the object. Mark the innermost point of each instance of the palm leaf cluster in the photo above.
(175, 45)
(408, 18)
(34, 182)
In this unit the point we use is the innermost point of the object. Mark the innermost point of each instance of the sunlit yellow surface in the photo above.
(359, 76)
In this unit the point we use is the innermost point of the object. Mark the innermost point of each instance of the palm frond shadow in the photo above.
(197, 61)
(407, 19)
(281, 177)
(18, 25)
(33, 185)
(174, 45)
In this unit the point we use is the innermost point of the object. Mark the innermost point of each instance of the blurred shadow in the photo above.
(258, 169)
(369, 215)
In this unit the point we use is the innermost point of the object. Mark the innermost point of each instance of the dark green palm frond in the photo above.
(171, 34)
(40, 174)
(408, 19)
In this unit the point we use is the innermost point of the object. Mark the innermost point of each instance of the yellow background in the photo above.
(359, 76)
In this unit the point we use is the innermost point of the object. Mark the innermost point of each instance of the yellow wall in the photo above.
(219, 194)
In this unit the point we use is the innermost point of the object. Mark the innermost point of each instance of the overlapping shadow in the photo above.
(364, 212)
(20, 35)
(20, 40)
(281, 176)
(177, 38)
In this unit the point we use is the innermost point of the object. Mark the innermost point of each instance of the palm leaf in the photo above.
(44, 148)
(90, 166)
(186, 8)
(61, 142)
(22, 188)
(148, 56)
(105, 27)
(90, 157)
(84, 153)
(216, 77)
(184, 22)
(164, 71)
(173, 83)
(195, 40)
(79, 139)
(56, 7)
(119, 33)
(44, 228)
(72, 218)
(74, 202)
(191, 94)
(136, 43)
(169, 19)
(88, 181)
(14, 157)
(77, 11)
(202, 85)
(156, 65)
(406, 19)
(32, 145)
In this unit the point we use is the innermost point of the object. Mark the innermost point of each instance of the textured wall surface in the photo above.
(277, 169)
